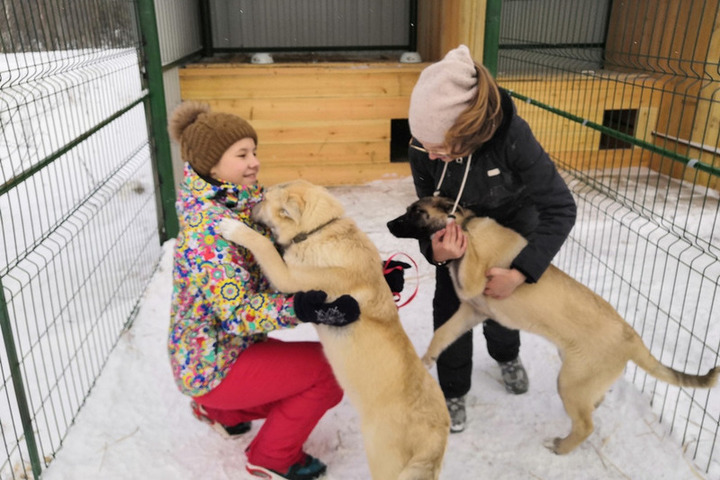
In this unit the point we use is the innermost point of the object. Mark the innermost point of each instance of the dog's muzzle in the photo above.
(402, 227)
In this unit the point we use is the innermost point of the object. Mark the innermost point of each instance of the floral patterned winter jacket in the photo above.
(221, 302)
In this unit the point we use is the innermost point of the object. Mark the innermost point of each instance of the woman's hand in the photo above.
(449, 243)
(502, 282)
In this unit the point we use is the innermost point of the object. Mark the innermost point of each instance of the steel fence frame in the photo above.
(86, 198)
(547, 55)
(61, 273)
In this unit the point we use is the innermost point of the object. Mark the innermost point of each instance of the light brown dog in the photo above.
(404, 420)
(594, 342)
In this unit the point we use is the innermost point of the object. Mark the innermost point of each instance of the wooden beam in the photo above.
(351, 174)
(330, 123)
(311, 109)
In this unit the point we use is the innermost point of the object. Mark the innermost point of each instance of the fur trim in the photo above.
(183, 116)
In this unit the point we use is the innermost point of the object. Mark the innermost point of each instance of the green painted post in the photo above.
(492, 35)
(156, 111)
(206, 28)
(19, 386)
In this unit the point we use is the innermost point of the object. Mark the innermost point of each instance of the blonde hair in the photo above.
(479, 122)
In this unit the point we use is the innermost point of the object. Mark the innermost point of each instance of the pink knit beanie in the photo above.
(443, 91)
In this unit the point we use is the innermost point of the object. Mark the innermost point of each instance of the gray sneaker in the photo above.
(456, 408)
(514, 376)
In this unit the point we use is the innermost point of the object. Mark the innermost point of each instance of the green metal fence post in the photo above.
(18, 385)
(157, 119)
(492, 35)
(206, 28)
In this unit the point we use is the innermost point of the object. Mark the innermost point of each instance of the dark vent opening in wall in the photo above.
(399, 139)
(621, 120)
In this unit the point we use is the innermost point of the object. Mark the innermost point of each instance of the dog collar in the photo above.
(303, 236)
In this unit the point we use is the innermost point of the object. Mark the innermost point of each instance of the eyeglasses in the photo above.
(429, 152)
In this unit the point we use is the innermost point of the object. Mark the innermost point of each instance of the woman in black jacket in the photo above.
(491, 163)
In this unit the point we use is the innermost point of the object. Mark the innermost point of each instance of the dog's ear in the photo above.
(321, 206)
(329, 205)
(292, 208)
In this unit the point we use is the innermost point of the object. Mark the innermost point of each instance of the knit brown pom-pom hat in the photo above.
(204, 135)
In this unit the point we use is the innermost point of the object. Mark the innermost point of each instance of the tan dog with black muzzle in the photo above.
(594, 342)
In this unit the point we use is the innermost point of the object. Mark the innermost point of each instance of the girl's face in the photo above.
(239, 164)
(437, 152)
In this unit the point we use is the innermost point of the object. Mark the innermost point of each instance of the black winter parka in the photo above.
(511, 179)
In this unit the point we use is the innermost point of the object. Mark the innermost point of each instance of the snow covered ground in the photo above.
(136, 425)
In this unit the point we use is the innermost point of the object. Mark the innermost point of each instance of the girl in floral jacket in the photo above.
(223, 307)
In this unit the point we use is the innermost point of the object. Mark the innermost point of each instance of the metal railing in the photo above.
(622, 95)
(86, 191)
(80, 215)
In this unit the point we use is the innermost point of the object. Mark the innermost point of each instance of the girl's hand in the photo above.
(449, 243)
(502, 282)
(311, 307)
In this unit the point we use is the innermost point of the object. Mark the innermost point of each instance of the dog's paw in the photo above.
(233, 230)
(428, 360)
(556, 445)
(550, 443)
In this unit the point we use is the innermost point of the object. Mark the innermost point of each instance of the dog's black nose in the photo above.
(394, 226)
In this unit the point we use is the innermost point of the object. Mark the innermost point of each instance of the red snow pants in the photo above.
(289, 384)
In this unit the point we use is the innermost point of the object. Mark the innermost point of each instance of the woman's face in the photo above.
(239, 164)
(437, 151)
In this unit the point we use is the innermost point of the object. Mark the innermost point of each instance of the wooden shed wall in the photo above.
(682, 53)
(329, 123)
(588, 96)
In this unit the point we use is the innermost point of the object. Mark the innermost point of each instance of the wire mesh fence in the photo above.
(250, 25)
(626, 98)
(624, 95)
(78, 217)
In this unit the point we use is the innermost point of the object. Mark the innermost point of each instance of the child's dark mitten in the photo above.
(310, 307)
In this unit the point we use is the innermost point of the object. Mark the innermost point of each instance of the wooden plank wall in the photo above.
(327, 122)
(330, 123)
(666, 70)
(445, 24)
(587, 96)
(682, 41)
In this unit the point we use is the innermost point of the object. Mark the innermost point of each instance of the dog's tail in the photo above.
(645, 360)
